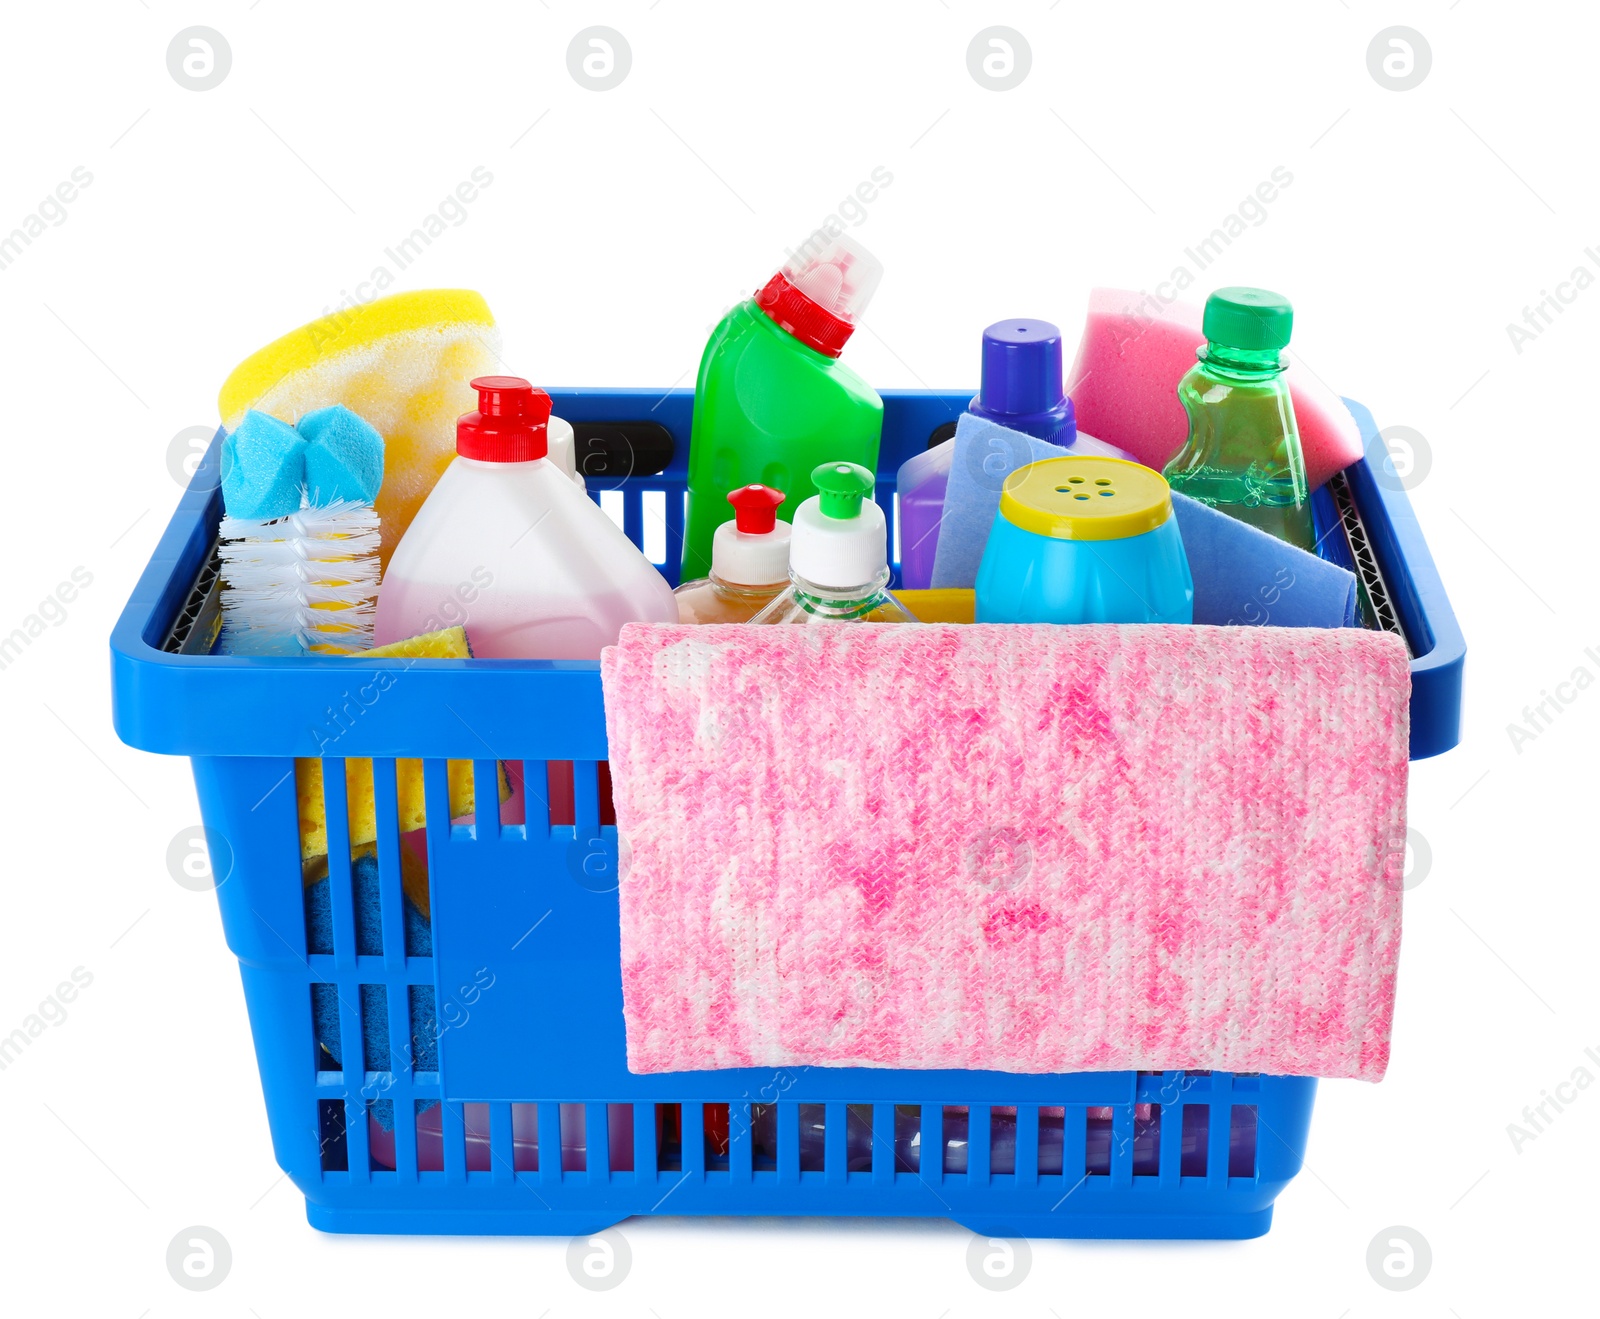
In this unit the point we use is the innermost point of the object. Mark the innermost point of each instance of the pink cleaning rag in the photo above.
(1027, 848)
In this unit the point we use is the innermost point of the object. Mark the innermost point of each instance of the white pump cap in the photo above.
(840, 535)
(751, 557)
(753, 549)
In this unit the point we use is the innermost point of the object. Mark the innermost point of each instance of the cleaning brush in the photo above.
(307, 582)
(299, 537)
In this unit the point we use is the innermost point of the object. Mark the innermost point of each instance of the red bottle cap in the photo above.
(822, 290)
(803, 318)
(755, 508)
(511, 425)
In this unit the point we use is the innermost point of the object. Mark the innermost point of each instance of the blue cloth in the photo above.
(1242, 576)
(983, 454)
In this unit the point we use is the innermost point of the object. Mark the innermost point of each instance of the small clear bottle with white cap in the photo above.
(749, 562)
(838, 558)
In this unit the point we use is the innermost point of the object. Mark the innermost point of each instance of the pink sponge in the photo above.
(1124, 385)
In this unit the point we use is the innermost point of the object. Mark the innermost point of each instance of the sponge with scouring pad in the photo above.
(375, 1052)
(360, 798)
(344, 459)
(263, 468)
(401, 362)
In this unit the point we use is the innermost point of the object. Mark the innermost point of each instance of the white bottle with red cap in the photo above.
(508, 547)
(749, 562)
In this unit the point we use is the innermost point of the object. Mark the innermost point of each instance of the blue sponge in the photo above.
(345, 460)
(263, 468)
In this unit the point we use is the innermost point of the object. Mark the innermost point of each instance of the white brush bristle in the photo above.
(308, 580)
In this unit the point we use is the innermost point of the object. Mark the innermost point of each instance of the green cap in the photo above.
(841, 487)
(1251, 319)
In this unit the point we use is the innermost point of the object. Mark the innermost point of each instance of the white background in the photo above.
(618, 227)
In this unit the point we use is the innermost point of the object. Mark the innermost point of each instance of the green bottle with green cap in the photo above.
(838, 555)
(1243, 453)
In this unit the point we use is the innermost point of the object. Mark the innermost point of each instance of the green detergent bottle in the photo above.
(772, 400)
(1243, 453)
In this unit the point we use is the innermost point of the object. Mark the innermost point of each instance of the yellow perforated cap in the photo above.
(1086, 498)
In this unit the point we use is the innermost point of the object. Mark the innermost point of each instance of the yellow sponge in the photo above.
(361, 811)
(946, 604)
(401, 362)
(447, 643)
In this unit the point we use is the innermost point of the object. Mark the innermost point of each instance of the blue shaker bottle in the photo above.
(1083, 539)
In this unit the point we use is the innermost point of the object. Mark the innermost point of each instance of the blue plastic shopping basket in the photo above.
(529, 1121)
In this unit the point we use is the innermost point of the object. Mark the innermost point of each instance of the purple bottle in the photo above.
(1022, 390)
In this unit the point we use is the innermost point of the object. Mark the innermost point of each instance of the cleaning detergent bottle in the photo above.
(508, 546)
(749, 562)
(1243, 452)
(772, 399)
(1021, 390)
(838, 558)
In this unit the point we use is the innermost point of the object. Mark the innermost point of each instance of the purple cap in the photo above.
(1022, 381)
